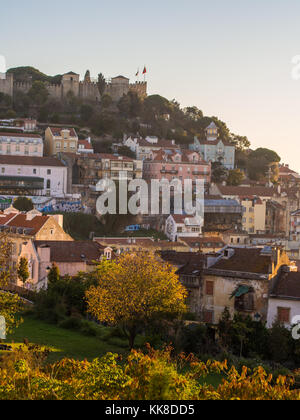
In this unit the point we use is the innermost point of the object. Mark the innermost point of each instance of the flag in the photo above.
(137, 73)
(145, 70)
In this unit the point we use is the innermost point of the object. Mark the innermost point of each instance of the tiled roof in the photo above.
(246, 191)
(86, 144)
(207, 242)
(30, 161)
(287, 286)
(180, 218)
(25, 135)
(245, 260)
(56, 131)
(72, 251)
(126, 242)
(35, 224)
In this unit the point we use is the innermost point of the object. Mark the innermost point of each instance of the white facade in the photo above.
(276, 304)
(178, 226)
(52, 171)
(295, 226)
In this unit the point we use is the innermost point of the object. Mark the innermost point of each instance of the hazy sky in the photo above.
(232, 59)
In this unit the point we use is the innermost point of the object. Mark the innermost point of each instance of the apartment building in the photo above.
(21, 144)
(59, 140)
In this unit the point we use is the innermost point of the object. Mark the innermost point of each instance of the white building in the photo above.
(21, 144)
(214, 149)
(178, 226)
(26, 175)
(85, 146)
(284, 300)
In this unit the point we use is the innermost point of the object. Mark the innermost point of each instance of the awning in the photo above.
(240, 291)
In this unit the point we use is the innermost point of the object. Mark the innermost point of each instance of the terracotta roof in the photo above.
(245, 260)
(35, 224)
(207, 242)
(72, 251)
(181, 258)
(56, 131)
(180, 218)
(86, 144)
(30, 161)
(287, 286)
(5, 218)
(114, 157)
(246, 191)
(31, 136)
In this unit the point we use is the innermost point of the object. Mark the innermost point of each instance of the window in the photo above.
(57, 145)
(283, 315)
(208, 317)
(19, 171)
(3, 170)
(34, 171)
(245, 302)
(48, 184)
(48, 171)
(210, 288)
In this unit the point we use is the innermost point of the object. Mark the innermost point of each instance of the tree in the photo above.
(53, 275)
(135, 291)
(38, 93)
(235, 177)
(23, 204)
(241, 142)
(23, 270)
(219, 172)
(86, 112)
(10, 304)
(101, 83)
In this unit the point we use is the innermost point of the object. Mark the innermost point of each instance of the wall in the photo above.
(6, 85)
(294, 306)
(52, 231)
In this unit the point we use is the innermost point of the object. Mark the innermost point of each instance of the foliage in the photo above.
(135, 291)
(235, 177)
(219, 172)
(23, 270)
(154, 376)
(23, 204)
(53, 275)
(10, 304)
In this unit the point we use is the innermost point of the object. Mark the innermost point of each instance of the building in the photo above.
(239, 278)
(169, 164)
(21, 144)
(287, 177)
(214, 149)
(254, 214)
(284, 300)
(205, 245)
(119, 86)
(20, 124)
(144, 148)
(222, 214)
(295, 226)
(178, 226)
(58, 140)
(133, 245)
(31, 175)
(85, 146)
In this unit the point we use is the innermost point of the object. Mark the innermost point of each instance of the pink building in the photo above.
(21, 144)
(177, 164)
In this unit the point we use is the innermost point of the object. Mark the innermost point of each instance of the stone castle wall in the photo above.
(85, 89)
(6, 85)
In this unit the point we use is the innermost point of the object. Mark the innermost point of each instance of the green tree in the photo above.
(23, 204)
(219, 172)
(101, 83)
(54, 274)
(38, 93)
(23, 270)
(235, 177)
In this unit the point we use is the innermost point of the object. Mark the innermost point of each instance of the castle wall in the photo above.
(140, 88)
(6, 85)
(22, 87)
(55, 91)
(89, 91)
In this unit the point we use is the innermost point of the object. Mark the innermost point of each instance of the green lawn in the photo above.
(65, 343)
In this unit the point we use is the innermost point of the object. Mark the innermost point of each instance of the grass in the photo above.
(65, 343)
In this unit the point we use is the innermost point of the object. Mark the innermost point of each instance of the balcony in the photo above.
(21, 183)
(200, 173)
(169, 171)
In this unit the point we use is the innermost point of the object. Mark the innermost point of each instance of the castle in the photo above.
(86, 89)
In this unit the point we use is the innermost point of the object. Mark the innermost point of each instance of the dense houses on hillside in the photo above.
(241, 255)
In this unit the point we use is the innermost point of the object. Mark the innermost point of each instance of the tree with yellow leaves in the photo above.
(10, 304)
(135, 290)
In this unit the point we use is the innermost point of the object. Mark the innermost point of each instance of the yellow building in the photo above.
(254, 214)
(60, 140)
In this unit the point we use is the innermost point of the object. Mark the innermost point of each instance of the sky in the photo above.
(232, 59)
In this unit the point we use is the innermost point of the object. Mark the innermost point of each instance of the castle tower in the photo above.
(70, 83)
